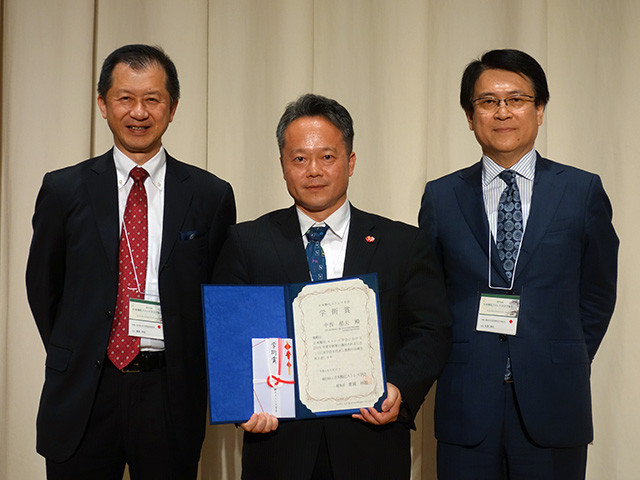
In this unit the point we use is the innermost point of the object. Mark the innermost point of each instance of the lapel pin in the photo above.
(369, 239)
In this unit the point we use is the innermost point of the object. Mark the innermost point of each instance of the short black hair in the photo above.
(139, 57)
(506, 59)
(311, 105)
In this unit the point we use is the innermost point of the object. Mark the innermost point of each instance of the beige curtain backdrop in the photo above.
(396, 65)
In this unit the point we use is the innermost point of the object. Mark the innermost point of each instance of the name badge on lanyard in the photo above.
(498, 314)
(145, 319)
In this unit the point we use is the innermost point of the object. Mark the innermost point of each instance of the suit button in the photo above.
(502, 338)
(109, 314)
(98, 364)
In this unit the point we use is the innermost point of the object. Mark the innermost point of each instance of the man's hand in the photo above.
(390, 408)
(260, 423)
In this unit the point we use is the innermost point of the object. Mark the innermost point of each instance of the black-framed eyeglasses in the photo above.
(513, 103)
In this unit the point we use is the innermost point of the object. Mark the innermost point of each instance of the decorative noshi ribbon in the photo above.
(276, 378)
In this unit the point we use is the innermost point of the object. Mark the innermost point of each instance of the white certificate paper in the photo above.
(337, 342)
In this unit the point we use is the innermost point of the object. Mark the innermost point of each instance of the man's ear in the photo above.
(173, 111)
(102, 105)
(470, 119)
(352, 162)
(540, 114)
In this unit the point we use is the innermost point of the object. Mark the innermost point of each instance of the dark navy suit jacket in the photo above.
(72, 278)
(566, 278)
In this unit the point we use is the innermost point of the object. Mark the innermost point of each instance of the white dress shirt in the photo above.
(493, 186)
(334, 243)
(154, 186)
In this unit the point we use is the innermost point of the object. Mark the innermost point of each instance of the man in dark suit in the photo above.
(315, 137)
(105, 244)
(530, 262)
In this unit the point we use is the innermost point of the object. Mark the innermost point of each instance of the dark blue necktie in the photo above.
(315, 254)
(509, 229)
(509, 234)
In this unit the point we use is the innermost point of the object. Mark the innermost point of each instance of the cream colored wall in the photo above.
(395, 64)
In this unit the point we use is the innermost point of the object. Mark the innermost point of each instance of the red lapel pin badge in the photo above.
(369, 239)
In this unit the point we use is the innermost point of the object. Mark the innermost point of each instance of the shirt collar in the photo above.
(338, 221)
(525, 167)
(155, 166)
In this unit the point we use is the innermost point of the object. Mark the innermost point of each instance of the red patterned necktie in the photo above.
(132, 270)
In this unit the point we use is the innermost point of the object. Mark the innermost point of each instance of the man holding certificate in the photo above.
(324, 237)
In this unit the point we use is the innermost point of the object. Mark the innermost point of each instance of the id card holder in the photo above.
(498, 314)
(145, 319)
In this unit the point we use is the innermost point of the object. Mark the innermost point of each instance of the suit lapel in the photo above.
(548, 188)
(177, 198)
(359, 251)
(471, 203)
(287, 241)
(103, 195)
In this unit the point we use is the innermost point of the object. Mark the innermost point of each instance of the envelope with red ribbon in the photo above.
(273, 380)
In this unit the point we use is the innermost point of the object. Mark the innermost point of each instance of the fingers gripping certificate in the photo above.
(337, 346)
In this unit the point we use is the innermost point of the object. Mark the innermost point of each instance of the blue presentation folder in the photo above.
(233, 315)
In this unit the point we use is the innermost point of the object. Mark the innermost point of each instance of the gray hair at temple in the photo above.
(139, 57)
(311, 105)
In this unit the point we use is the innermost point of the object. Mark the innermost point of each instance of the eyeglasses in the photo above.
(513, 103)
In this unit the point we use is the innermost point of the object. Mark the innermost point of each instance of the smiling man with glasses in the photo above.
(530, 261)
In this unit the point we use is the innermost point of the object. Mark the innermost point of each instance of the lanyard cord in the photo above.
(135, 271)
(515, 265)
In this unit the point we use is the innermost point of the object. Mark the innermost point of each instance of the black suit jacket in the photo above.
(415, 332)
(72, 278)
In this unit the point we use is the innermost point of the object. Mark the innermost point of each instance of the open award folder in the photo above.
(296, 351)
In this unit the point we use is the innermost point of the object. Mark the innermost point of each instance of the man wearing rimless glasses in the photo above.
(530, 261)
